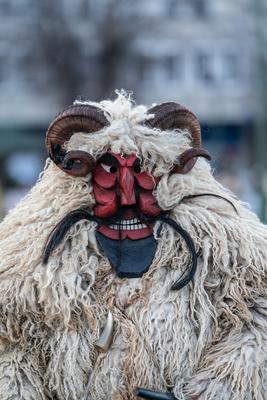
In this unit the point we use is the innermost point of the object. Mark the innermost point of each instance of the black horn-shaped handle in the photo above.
(153, 395)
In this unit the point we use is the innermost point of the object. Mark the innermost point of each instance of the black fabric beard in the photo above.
(129, 258)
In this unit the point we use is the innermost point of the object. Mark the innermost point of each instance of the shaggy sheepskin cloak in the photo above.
(207, 340)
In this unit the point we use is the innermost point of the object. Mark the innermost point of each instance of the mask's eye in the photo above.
(111, 169)
(137, 166)
(137, 169)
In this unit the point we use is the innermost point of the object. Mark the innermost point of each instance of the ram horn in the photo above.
(188, 158)
(77, 118)
(169, 116)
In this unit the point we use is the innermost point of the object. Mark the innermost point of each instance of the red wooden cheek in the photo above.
(145, 181)
(107, 202)
(148, 205)
(104, 178)
(105, 211)
(102, 195)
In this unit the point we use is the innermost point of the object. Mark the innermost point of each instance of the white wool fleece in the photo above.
(208, 339)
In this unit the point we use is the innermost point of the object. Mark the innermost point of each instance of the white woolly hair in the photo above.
(128, 134)
(212, 336)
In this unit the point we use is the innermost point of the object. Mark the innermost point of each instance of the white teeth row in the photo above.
(127, 227)
(129, 221)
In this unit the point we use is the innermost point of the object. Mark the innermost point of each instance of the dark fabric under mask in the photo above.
(129, 258)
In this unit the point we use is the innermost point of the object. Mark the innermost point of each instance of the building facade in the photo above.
(199, 52)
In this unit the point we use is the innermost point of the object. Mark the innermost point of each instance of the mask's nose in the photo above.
(126, 182)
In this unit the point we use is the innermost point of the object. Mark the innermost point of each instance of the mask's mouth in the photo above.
(129, 224)
(133, 229)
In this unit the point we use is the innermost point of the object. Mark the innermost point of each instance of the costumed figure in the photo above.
(128, 271)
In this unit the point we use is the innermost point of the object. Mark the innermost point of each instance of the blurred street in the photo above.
(210, 56)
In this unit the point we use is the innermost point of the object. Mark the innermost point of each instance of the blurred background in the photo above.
(209, 55)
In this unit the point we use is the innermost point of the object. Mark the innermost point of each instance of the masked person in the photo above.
(128, 270)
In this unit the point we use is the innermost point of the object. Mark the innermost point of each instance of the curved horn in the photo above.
(76, 118)
(169, 116)
(188, 158)
(174, 116)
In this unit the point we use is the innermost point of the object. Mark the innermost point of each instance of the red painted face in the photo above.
(121, 188)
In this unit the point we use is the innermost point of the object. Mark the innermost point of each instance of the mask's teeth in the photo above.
(128, 224)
